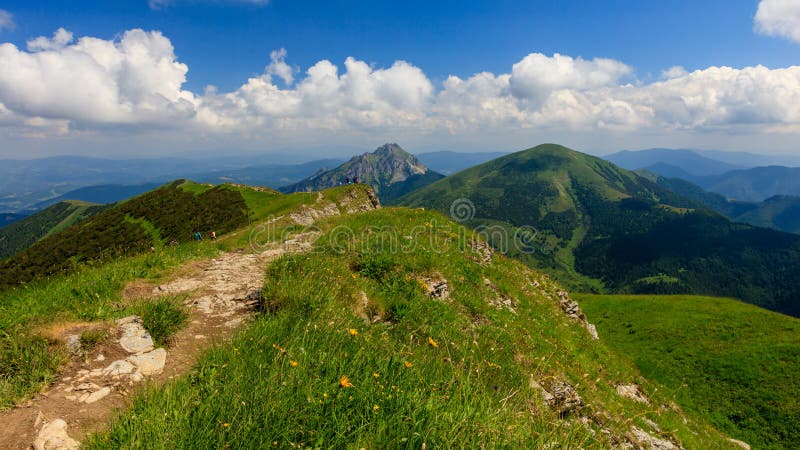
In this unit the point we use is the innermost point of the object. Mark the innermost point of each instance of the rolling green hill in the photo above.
(601, 228)
(731, 362)
(25, 232)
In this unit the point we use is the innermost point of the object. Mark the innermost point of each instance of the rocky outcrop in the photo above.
(561, 397)
(436, 286)
(632, 392)
(384, 169)
(648, 441)
(573, 310)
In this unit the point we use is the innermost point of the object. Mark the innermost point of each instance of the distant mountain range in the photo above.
(688, 161)
(600, 227)
(742, 182)
(448, 162)
(390, 170)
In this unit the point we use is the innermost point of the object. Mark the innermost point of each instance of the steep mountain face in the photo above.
(390, 170)
(599, 227)
(23, 233)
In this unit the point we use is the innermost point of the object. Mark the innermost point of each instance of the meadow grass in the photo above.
(734, 364)
(323, 368)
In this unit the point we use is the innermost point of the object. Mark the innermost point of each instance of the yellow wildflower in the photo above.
(345, 382)
(226, 425)
(408, 364)
(375, 408)
(353, 332)
(375, 375)
(293, 363)
(432, 343)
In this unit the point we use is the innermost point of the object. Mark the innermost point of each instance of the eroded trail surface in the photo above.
(221, 295)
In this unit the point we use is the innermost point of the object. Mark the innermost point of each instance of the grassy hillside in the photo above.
(170, 213)
(90, 290)
(23, 233)
(352, 352)
(601, 228)
(725, 360)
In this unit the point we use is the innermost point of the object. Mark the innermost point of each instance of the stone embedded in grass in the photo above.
(561, 398)
(134, 339)
(646, 440)
(150, 363)
(633, 392)
(53, 436)
(436, 286)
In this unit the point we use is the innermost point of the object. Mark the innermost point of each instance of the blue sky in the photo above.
(226, 42)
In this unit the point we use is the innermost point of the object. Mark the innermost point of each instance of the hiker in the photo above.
(213, 235)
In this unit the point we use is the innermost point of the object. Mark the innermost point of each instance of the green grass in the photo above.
(28, 361)
(162, 318)
(730, 362)
(452, 373)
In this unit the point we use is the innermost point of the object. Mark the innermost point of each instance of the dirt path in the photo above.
(221, 295)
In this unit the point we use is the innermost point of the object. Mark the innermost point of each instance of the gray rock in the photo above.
(98, 395)
(53, 436)
(119, 368)
(150, 363)
(633, 392)
(135, 339)
(651, 442)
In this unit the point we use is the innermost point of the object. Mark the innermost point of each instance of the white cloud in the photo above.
(61, 85)
(537, 75)
(59, 40)
(6, 20)
(133, 80)
(780, 18)
(278, 66)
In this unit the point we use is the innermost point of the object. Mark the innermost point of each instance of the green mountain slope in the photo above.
(353, 351)
(780, 212)
(599, 227)
(725, 360)
(389, 170)
(23, 233)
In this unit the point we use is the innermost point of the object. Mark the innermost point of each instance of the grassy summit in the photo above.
(601, 228)
(352, 351)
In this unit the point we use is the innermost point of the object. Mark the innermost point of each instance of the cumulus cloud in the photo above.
(780, 18)
(6, 20)
(278, 66)
(61, 83)
(133, 80)
(59, 40)
(537, 75)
